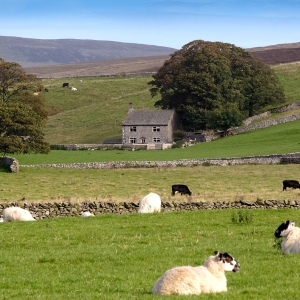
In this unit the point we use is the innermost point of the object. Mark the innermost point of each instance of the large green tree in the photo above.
(23, 112)
(204, 77)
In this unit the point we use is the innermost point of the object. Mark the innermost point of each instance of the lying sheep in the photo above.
(86, 214)
(16, 214)
(291, 237)
(188, 280)
(150, 203)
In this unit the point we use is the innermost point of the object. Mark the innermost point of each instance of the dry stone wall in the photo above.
(262, 159)
(70, 209)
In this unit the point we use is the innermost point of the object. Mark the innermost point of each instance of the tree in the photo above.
(22, 114)
(224, 118)
(208, 76)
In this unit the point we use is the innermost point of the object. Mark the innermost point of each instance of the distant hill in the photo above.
(277, 54)
(40, 52)
(72, 57)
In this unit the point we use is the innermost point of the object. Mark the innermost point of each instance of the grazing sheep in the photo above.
(86, 214)
(291, 237)
(16, 214)
(150, 203)
(209, 278)
(73, 88)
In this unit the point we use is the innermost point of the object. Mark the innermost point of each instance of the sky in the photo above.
(170, 23)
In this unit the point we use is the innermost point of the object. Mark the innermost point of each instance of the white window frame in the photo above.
(132, 140)
(132, 128)
(155, 129)
(156, 140)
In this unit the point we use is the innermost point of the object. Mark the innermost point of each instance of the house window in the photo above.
(132, 128)
(143, 140)
(156, 140)
(132, 140)
(155, 128)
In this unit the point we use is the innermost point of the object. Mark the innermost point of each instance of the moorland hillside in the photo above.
(40, 52)
(271, 55)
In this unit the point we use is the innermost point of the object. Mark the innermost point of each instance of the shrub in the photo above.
(241, 217)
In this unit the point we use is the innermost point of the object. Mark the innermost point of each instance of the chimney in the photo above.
(130, 108)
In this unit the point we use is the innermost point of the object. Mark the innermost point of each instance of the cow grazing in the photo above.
(180, 188)
(290, 183)
(65, 84)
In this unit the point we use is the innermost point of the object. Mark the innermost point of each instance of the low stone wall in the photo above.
(70, 209)
(264, 124)
(262, 159)
(10, 163)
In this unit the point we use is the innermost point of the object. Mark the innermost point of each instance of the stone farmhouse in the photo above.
(149, 129)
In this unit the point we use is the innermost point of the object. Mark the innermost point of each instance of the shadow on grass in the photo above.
(4, 170)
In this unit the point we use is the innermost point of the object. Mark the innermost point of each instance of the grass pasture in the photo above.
(279, 139)
(121, 256)
(207, 183)
(97, 109)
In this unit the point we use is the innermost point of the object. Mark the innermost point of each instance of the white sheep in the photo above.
(86, 214)
(73, 88)
(150, 203)
(291, 237)
(16, 214)
(187, 280)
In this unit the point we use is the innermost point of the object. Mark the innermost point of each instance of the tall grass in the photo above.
(121, 256)
(207, 183)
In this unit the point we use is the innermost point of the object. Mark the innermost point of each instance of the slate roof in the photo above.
(148, 117)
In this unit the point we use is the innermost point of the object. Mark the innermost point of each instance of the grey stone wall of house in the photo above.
(70, 209)
(145, 132)
(11, 163)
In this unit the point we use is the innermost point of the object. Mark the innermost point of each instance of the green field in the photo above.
(97, 109)
(121, 256)
(207, 183)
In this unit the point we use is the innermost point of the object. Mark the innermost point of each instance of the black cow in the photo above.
(290, 183)
(66, 84)
(180, 188)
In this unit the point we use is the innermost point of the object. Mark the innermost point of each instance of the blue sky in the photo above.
(171, 23)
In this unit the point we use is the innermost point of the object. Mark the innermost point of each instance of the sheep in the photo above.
(150, 203)
(187, 280)
(86, 214)
(291, 237)
(73, 88)
(16, 214)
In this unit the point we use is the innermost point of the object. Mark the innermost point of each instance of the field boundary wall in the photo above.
(70, 209)
(290, 158)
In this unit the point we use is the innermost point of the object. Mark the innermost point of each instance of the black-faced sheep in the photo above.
(150, 203)
(291, 237)
(187, 280)
(16, 214)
